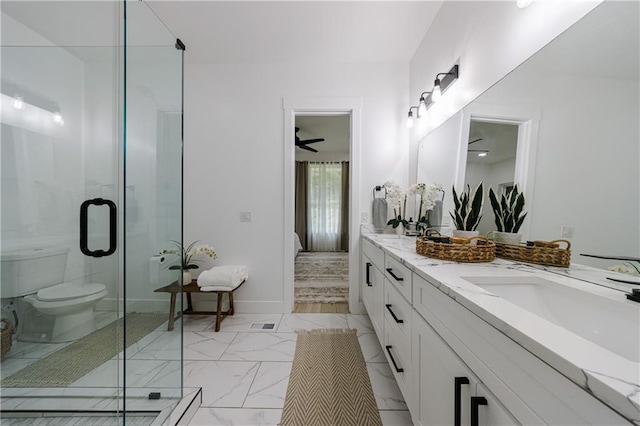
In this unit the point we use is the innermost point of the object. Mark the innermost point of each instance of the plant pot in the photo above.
(400, 229)
(186, 277)
(465, 234)
(505, 237)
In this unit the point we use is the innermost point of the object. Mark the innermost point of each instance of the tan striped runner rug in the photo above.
(329, 383)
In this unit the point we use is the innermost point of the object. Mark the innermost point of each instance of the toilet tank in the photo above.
(26, 271)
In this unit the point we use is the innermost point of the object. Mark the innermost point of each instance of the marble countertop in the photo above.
(613, 379)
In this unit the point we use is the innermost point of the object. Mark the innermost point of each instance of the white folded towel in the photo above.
(225, 277)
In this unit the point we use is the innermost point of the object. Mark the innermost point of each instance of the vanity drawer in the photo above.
(374, 253)
(422, 295)
(399, 275)
(397, 349)
(397, 310)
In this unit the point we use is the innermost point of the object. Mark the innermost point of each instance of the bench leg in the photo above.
(218, 310)
(172, 311)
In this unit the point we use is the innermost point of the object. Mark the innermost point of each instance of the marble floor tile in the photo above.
(292, 322)
(223, 383)
(385, 388)
(396, 418)
(371, 349)
(10, 366)
(139, 373)
(132, 350)
(242, 322)
(236, 417)
(32, 349)
(362, 323)
(194, 345)
(196, 322)
(269, 388)
(261, 347)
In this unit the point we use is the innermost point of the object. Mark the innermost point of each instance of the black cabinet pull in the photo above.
(457, 414)
(399, 321)
(476, 401)
(398, 369)
(369, 275)
(390, 271)
(84, 227)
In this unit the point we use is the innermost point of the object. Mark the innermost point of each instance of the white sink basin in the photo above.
(613, 324)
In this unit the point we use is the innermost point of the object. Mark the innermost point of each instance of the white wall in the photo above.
(234, 154)
(488, 40)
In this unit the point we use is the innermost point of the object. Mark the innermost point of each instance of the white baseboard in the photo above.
(201, 302)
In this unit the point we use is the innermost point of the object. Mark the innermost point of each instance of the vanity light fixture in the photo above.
(483, 154)
(422, 106)
(57, 118)
(523, 3)
(18, 102)
(410, 116)
(439, 86)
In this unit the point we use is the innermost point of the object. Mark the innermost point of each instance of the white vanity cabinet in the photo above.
(372, 288)
(441, 352)
(446, 390)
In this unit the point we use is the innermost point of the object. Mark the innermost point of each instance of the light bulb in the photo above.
(57, 118)
(422, 107)
(523, 3)
(18, 102)
(437, 93)
(410, 120)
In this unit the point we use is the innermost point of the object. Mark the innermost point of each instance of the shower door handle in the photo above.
(84, 227)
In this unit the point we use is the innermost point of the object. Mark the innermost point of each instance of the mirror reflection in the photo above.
(574, 110)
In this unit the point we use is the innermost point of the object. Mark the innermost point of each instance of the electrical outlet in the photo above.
(566, 231)
(245, 216)
(364, 217)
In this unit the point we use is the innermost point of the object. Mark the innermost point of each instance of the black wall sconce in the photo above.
(429, 98)
(440, 85)
(410, 116)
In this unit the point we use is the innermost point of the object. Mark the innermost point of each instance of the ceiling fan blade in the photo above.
(312, 141)
(308, 148)
(476, 140)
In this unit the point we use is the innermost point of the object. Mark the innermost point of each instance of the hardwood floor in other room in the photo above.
(321, 308)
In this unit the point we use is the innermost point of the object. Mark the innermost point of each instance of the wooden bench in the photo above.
(174, 288)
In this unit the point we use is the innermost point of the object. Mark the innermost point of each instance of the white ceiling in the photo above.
(298, 31)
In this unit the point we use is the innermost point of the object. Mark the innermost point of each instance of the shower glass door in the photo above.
(152, 201)
(91, 192)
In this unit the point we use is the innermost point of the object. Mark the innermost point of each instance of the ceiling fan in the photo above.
(481, 152)
(303, 144)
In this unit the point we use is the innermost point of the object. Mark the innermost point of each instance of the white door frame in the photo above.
(293, 107)
(527, 120)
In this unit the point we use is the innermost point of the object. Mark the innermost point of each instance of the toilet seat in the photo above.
(67, 291)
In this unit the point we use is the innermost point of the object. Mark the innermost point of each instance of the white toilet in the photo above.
(49, 310)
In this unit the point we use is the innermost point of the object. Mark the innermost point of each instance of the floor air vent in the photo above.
(262, 326)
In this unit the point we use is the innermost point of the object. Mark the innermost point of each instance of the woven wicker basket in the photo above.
(457, 252)
(6, 336)
(542, 252)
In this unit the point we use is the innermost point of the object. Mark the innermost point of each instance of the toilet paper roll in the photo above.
(156, 263)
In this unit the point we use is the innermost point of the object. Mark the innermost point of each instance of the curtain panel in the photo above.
(322, 205)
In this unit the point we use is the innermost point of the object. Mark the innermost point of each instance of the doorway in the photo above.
(321, 212)
(491, 159)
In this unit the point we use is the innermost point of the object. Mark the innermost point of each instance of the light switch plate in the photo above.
(245, 216)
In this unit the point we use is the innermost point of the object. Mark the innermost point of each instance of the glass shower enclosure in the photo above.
(91, 194)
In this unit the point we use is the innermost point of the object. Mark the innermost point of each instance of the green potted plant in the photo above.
(186, 257)
(468, 211)
(509, 215)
